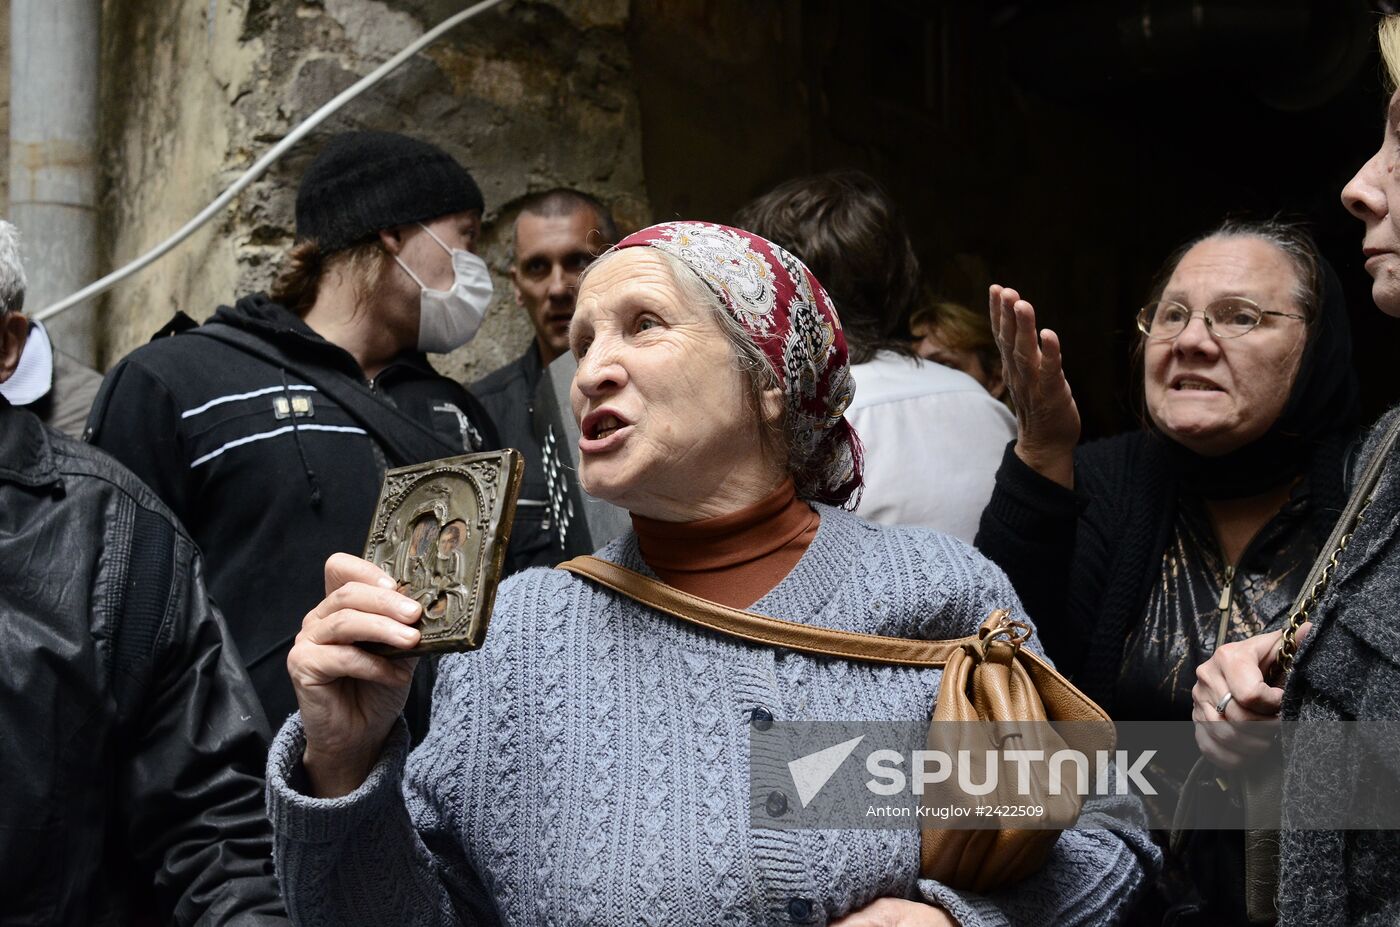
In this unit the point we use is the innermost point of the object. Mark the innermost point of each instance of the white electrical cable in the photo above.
(266, 161)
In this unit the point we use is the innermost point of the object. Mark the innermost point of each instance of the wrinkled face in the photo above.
(1215, 396)
(550, 254)
(1373, 196)
(666, 431)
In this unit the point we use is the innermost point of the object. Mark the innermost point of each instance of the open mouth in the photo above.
(601, 424)
(1194, 384)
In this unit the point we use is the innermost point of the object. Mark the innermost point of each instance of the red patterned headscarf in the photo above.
(789, 316)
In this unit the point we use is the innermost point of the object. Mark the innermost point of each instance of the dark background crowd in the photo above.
(1062, 145)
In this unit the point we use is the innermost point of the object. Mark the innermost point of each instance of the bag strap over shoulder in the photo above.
(404, 440)
(760, 629)
(998, 639)
(1327, 561)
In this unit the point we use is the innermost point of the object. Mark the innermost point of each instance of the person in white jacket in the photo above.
(933, 436)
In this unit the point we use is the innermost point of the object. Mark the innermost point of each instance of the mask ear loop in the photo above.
(434, 237)
(409, 270)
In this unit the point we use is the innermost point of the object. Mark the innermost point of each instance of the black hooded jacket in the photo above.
(269, 473)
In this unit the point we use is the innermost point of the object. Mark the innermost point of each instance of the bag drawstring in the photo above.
(311, 479)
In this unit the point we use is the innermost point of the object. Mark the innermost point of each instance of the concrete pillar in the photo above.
(54, 57)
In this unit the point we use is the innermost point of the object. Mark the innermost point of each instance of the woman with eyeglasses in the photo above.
(1138, 556)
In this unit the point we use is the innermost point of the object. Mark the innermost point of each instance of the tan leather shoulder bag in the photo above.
(988, 677)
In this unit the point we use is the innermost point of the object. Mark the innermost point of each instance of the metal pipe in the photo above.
(266, 161)
(54, 59)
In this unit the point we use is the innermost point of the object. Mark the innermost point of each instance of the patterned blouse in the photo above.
(1196, 587)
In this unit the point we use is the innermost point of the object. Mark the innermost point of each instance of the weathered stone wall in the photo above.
(171, 138)
(529, 95)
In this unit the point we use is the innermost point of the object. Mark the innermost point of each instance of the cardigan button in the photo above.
(761, 718)
(799, 909)
(776, 805)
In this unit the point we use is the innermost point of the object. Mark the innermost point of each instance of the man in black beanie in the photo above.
(362, 182)
(268, 428)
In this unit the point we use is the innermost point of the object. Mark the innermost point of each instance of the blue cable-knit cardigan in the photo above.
(589, 765)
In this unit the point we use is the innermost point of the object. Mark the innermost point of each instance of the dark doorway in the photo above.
(1063, 148)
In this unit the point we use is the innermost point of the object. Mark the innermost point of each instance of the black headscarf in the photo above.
(1324, 400)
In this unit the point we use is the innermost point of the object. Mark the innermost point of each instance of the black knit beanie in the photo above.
(362, 182)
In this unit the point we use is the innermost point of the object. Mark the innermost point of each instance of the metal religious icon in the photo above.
(441, 529)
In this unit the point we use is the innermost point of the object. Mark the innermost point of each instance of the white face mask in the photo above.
(451, 318)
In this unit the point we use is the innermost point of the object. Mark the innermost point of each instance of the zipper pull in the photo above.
(1226, 594)
(1227, 590)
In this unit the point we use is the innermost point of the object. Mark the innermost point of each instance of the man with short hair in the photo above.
(133, 743)
(558, 233)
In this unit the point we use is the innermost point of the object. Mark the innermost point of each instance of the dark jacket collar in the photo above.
(531, 365)
(25, 455)
(273, 322)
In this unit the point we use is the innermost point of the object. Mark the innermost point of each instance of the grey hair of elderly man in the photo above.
(14, 327)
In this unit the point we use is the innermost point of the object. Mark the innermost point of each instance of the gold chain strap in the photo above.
(1288, 645)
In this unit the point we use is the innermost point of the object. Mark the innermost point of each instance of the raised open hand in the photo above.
(1046, 414)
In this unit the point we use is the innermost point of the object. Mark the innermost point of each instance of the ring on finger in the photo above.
(1225, 700)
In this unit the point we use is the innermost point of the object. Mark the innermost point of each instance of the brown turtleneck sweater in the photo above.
(734, 559)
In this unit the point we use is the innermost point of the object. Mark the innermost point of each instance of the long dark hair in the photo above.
(299, 280)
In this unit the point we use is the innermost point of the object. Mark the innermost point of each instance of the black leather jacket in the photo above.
(131, 741)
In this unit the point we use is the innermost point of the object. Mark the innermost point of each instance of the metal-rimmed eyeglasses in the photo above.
(1229, 317)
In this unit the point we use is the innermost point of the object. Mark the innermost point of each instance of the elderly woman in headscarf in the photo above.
(589, 763)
